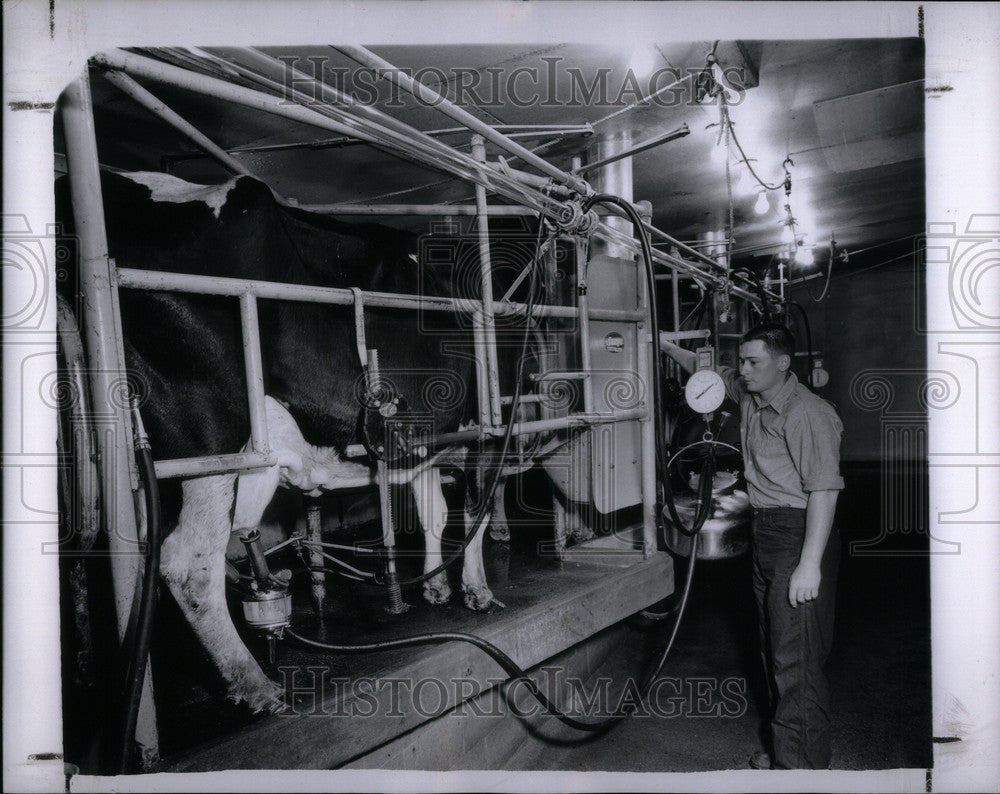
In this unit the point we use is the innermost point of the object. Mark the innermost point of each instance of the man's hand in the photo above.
(804, 584)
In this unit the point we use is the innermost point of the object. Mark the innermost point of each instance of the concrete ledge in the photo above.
(320, 732)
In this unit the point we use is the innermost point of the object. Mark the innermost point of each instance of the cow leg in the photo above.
(499, 528)
(560, 525)
(193, 566)
(432, 510)
(477, 594)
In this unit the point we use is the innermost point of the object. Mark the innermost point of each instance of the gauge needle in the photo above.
(706, 391)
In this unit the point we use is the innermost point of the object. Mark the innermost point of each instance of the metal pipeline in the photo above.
(131, 88)
(351, 112)
(415, 210)
(432, 98)
(335, 119)
(405, 141)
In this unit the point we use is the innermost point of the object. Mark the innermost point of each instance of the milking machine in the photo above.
(267, 608)
(717, 508)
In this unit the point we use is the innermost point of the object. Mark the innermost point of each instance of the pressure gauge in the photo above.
(705, 391)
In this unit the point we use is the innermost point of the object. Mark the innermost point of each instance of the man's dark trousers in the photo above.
(794, 642)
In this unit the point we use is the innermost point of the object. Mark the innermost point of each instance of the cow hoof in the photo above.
(582, 534)
(480, 598)
(437, 591)
(267, 699)
(501, 534)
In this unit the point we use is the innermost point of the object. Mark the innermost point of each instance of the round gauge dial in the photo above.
(705, 391)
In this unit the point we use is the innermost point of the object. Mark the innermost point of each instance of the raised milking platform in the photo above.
(346, 707)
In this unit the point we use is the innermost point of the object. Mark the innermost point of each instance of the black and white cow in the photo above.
(186, 352)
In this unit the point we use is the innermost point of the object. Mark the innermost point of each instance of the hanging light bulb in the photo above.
(786, 234)
(762, 206)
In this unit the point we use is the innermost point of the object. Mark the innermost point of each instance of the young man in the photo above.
(791, 452)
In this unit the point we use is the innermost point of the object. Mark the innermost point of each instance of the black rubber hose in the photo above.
(513, 670)
(705, 483)
(765, 311)
(136, 670)
(808, 330)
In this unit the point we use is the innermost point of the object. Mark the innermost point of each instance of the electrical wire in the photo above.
(826, 286)
(808, 330)
(746, 160)
(698, 444)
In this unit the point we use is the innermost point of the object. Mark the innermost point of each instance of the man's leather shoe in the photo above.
(761, 760)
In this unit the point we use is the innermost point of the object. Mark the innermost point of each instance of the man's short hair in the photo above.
(776, 338)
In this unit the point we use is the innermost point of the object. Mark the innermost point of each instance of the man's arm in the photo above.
(687, 359)
(805, 580)
(813, 442)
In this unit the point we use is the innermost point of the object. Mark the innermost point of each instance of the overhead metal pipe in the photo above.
(428, 95)
(457, 164)
(532, 180)
(530, 131)
(646, 145)
(132, 89)
(436, 210)
(332, 97)
(346, 103)
(147, 67)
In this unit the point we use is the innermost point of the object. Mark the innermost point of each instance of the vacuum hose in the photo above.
(135, 672)
(512, 669)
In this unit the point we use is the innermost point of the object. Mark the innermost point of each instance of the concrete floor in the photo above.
(878, 671)
(879, 668)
